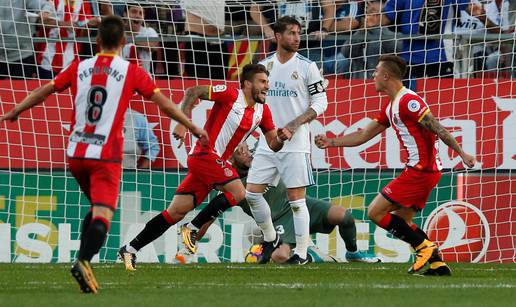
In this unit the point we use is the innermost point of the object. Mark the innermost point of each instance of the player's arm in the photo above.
(429, 122)
(274, 141)
(353, 139)
(168, 107)
(191, 96)
(34, 98)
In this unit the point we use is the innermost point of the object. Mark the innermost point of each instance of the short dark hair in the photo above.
(394, 64)
(111, 31)
(250, 70)
(281, 24)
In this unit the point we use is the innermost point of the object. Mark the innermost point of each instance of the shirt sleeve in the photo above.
(65, 78)
(382, 118)
(144, 84)
(316, 89)
(222, 94)
(413, 108)
(390, 8)
(145, 137)
(267, 124)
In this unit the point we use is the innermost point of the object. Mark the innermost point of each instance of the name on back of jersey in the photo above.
(97, 70)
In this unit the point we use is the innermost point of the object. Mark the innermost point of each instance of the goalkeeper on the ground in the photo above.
(323, 218)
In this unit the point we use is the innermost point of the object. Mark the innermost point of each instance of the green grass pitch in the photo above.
(339, 284)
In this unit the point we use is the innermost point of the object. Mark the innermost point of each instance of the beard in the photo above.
(290, 48)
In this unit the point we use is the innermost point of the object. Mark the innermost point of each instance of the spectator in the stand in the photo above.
(141, 145)
(426, 57)
(497, 21)
(367, 44)
(318, 18)
(73, 20)
(140, 50)
(204, 58)
(16, 28)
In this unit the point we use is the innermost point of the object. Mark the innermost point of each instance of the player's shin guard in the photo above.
(348, 231)
(301, 226)
(213, 209)
(262, 214)
(153, 230)
(401, 230)
(93, 238)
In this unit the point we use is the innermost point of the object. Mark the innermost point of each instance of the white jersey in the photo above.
(295, 86)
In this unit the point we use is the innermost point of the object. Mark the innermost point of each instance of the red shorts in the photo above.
(99, 180)
(205, 171)
(411, 188)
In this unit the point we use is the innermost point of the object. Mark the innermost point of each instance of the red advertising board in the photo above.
(480, 113)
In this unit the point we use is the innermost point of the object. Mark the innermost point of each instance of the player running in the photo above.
(323, 218)
(101, 89)
(297, 96)
(235, 115)
(395, 206)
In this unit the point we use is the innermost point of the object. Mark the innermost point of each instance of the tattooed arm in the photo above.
(306, 117)
(191, 96)
(429, 122)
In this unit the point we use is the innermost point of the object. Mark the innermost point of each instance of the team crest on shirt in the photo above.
(269, 66)
(414, 106)
(219, 88)
(295, 75)
(228, 172)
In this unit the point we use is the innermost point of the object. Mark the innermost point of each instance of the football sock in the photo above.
(153, 230)
(261, 214)
(401, 230)
(436, 257)
(213, 210)
(93, 238)
(301, 226)
(85, 225)
(348, 231)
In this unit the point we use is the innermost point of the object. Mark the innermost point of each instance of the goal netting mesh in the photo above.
(471, 213)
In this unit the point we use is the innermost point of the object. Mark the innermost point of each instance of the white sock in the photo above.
(262, 214)
(130, 249)
(192, 226)
(301, 226)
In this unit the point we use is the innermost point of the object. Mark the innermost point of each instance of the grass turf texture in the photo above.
(253, 285)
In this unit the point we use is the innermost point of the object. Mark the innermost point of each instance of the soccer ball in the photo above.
(254, 254)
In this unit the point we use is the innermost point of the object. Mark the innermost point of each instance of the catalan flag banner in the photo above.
(240, 54)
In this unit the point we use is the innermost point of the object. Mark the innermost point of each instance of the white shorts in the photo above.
(294, 168)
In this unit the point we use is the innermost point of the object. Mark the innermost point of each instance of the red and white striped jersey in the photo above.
(101, 88)
(231, 121)
(404, 115)
(55, 56)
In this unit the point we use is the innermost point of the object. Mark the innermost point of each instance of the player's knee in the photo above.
(280, 256)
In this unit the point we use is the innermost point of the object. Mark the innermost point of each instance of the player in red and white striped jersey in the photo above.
(101, 88)
(235, 115)
(417, 129)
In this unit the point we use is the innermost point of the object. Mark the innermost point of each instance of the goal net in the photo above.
(470, 214)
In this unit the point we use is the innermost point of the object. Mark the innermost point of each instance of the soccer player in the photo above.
(296, 96)
(235, 115)
(101, 89)
(395, 206)
(323, 217)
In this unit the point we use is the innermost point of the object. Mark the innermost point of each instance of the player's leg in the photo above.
(262, 173)
(343, 218)
(380, 213)
(296, 172)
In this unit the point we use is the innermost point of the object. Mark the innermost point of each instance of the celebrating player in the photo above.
(395, 206)
(297, 96)
(235, 115)
(323, 217)
(101, 87)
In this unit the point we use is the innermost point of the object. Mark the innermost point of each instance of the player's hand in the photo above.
(322, 141)
(284, 134)
(201, 135)
(10, 116)
(179, 133)
(469, 160)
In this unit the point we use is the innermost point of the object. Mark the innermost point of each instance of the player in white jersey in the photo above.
(101, 88)
(296, 96)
